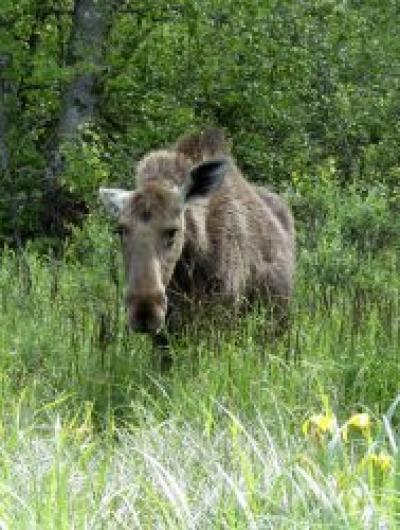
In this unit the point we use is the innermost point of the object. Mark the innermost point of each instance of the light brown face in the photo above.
(151, 224)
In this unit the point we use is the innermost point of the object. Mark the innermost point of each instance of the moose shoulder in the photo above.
(195, 226)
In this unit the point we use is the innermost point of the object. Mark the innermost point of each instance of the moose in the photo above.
(195, 228)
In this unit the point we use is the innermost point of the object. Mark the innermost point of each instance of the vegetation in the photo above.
(294, 83)
(243, 431)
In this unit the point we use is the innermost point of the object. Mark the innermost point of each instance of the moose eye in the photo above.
(121, 230)
(169, 236)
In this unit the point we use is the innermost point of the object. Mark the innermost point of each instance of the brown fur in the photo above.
(208, 144)
(237, 244)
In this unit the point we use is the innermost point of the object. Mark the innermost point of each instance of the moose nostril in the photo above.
(142, 321)
(146, 309)
(142, 326)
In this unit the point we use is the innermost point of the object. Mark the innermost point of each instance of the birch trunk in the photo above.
(91, 22)
(5, 163)
(3, 132)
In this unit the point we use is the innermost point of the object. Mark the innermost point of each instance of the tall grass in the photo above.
(94, 435)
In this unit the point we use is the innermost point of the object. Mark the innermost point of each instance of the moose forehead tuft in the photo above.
(155, 200)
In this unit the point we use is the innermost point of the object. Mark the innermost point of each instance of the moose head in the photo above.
(151, 223)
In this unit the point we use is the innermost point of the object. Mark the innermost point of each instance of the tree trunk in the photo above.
(5, 163)
(91, 22)
(3, 129)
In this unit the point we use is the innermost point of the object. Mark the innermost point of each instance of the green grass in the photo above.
(93, 435)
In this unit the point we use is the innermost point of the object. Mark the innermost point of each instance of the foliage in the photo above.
(295, 84)
(339, 232)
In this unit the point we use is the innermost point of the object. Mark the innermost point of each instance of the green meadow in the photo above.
(243, 431)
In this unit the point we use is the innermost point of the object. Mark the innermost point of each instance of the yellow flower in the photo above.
(381, 461)
(360, 421)
(318, 425)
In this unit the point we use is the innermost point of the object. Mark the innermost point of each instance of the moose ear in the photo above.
(204, 179)
(114, 199)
